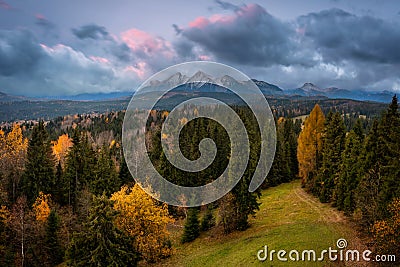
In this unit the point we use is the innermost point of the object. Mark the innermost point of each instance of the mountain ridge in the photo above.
(196, 81)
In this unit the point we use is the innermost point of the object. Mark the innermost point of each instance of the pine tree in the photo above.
(192, 226)
(390, 153)
(79, 169)
(333, 145)
(124, 175)
(208, 220)
(101, 243)
(105, 175)
(39, 174)
(349, 174)
(53, 247)
(370, 178)
(310, 146)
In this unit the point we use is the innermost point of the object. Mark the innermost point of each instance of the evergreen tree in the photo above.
(101, 243)
(208, 219)
(349, 173)
(105, 175)
(369, 186)
(390, 154)
(124, 175)
(79, 169)
(54, 250)
(39, 173)
(333, 145)
(192, 226)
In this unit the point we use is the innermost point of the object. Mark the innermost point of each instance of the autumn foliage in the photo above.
(41, 207)
(310, 144)
(143, 218)
(387, 232)
(61, 147)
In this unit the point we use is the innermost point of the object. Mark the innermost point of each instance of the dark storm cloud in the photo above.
(227, 5)
(43, 22)
(250, 36)
(339, 35)
(30, 68)
(91, 31)
(177, 29)
(19, 52)
(4, 5)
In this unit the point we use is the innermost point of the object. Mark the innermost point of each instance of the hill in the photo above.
(288, 219)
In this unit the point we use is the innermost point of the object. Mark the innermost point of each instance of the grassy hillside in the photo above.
(288, 219)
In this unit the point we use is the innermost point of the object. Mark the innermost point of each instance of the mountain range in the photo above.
(197, 82)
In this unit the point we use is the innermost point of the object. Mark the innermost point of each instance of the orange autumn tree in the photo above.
(13, 147)
(143, 218)
(387, 232)
(310, 145)
(61, 147)
(41, 207)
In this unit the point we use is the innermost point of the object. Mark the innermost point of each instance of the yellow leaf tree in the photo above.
(61, 148)
(13, 147)
(145, 220)
(387, 232)
(41, 207)
(310, 144)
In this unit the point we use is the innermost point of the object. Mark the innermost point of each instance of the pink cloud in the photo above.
(246, 11)
(40, 17)
(99, 59)
(143, 42)
(5, 5)
(141, 69)
(199, 22)
(204, 57)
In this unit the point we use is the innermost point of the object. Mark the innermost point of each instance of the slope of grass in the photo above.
(288, 219)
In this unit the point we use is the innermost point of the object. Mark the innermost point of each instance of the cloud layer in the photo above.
(331, 48)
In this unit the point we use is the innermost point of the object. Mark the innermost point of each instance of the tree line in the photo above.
(356, 171)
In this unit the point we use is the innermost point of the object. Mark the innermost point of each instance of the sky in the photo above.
(61, 48)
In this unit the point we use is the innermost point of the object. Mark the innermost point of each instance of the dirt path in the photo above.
(330, 215)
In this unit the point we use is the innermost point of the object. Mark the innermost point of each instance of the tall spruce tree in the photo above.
(192, 226)
(79, 169)
(53, 246)
(333, 145)
(105, 175)
(366, 196)
(39, 175)
(101, 243)
(344, 195)
(390, 153)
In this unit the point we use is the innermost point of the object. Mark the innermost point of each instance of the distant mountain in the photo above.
(10, 98)
(267, 88)
(94, 96)
(310, 89)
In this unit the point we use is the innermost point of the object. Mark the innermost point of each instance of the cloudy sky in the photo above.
(56, 48)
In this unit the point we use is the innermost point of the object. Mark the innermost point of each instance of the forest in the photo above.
(67, 196)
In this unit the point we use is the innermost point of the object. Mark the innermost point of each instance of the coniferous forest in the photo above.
(68, 197)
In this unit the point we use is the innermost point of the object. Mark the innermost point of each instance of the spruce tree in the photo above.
(105, 175)
(349, 174)
(53, 247)
(192, 226)
(39, 173)
(124, 175)
(390, 153)
(333, 145)
(370, 178)
(101, 243)
(79, 169)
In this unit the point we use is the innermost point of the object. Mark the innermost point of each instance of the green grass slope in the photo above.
(289, 218)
